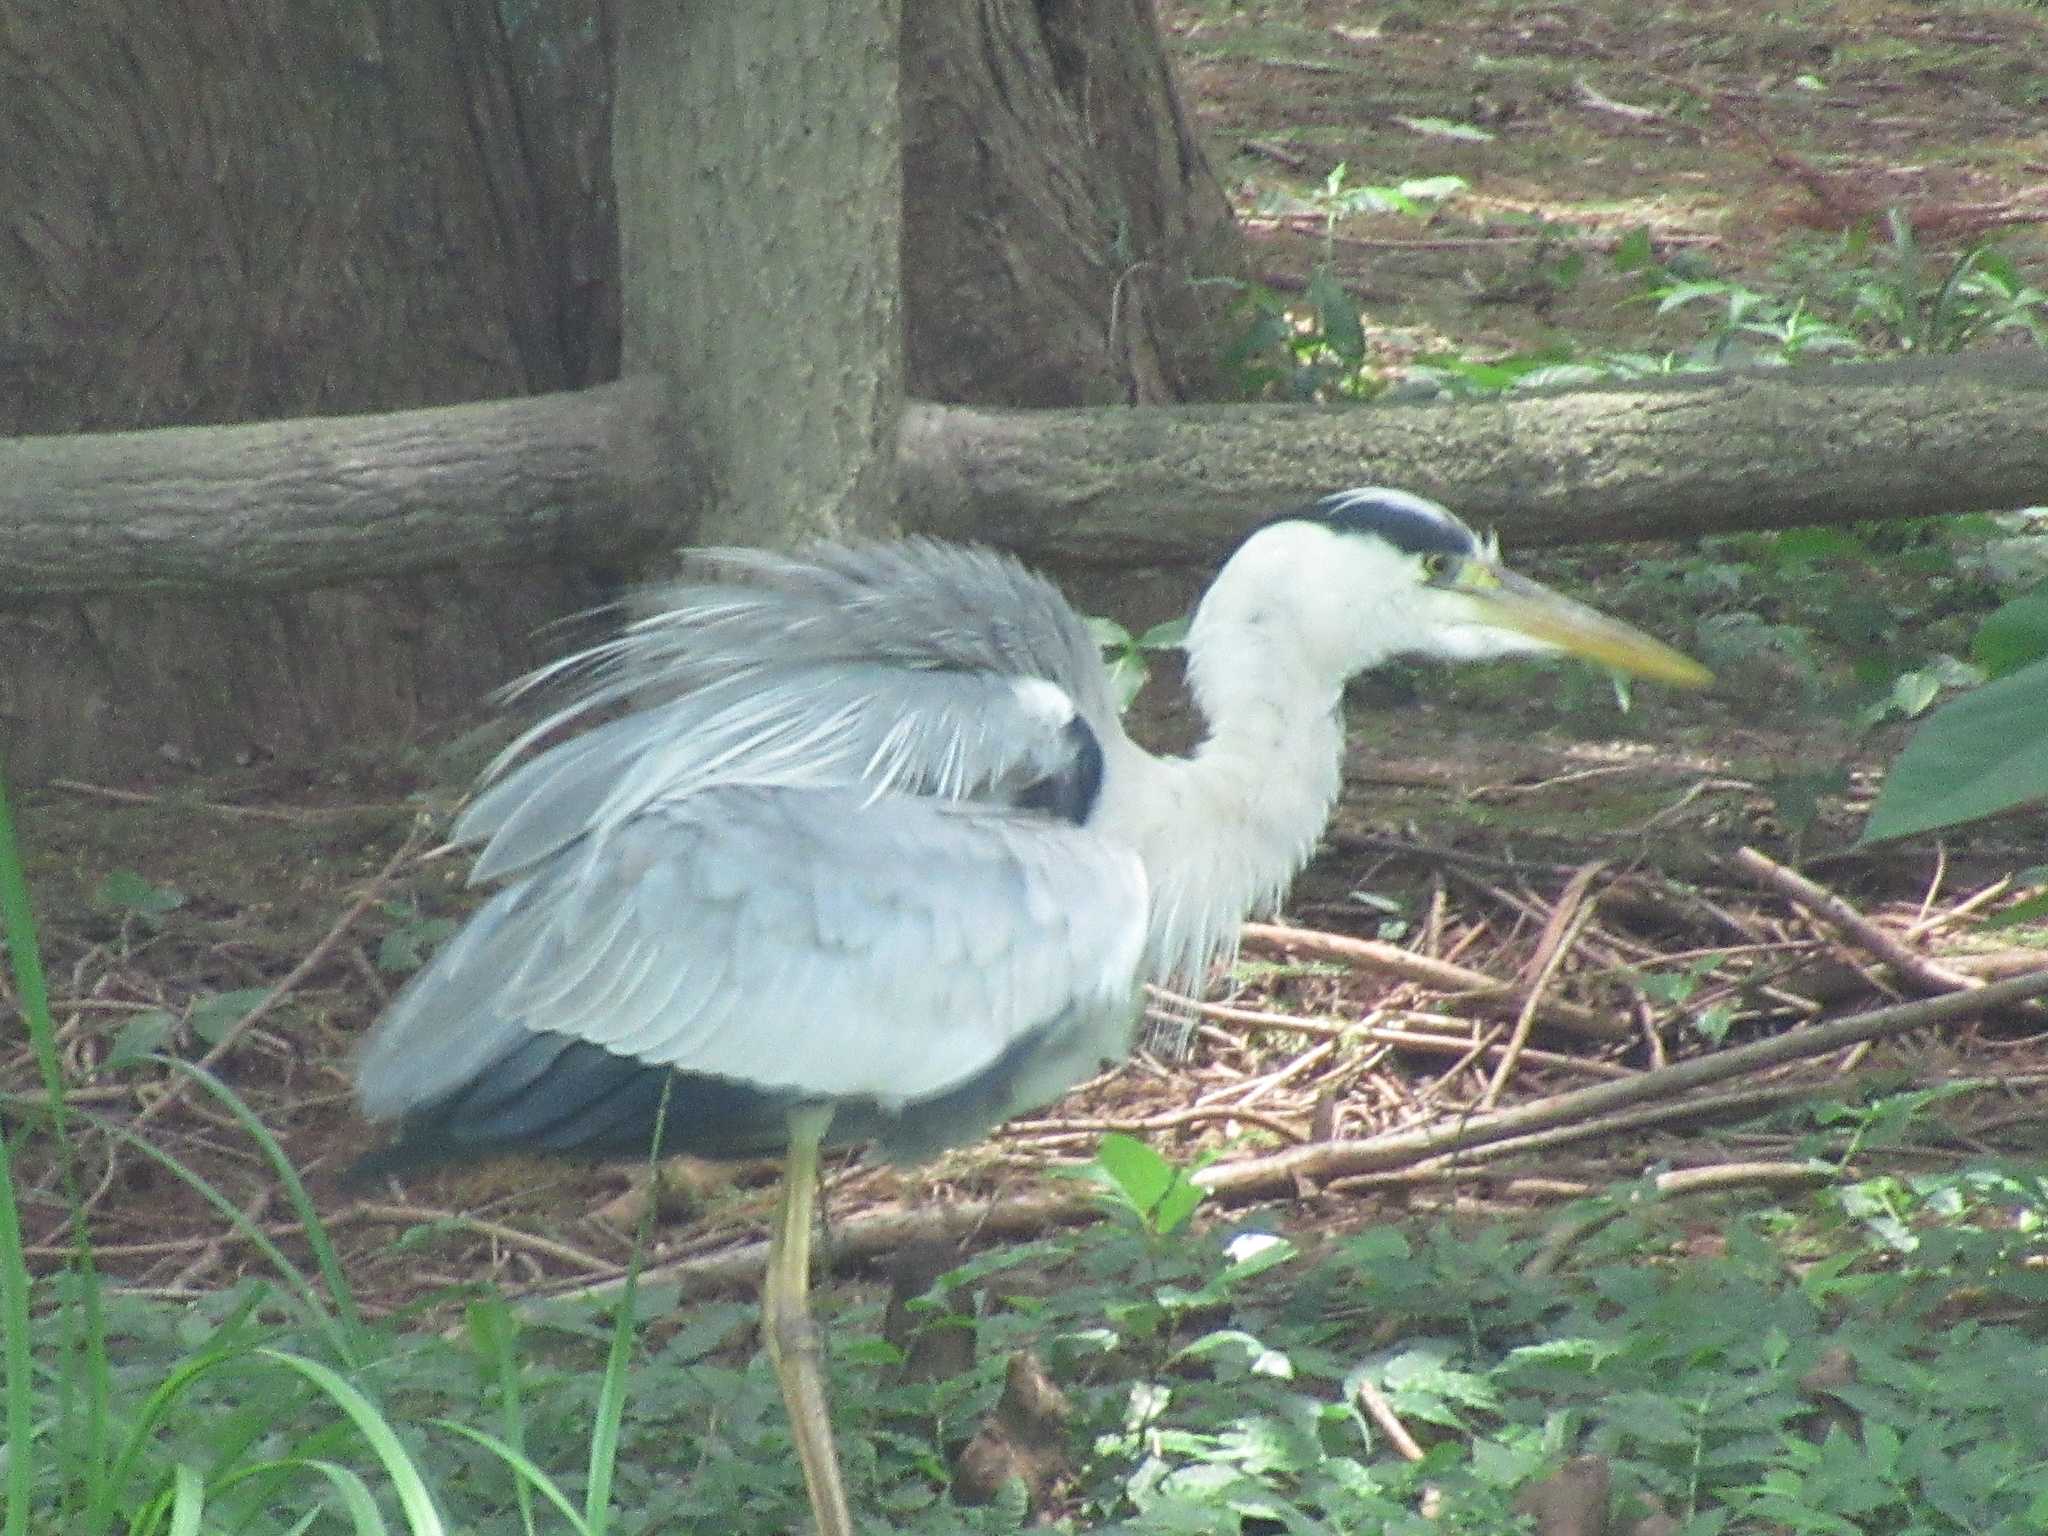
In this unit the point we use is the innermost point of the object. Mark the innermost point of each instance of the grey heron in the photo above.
(867, 855)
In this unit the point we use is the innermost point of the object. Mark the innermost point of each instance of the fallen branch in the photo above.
(872, 1237)
(1917, 970)
(497, 1231)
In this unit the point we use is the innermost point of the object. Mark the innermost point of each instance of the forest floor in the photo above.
(1511, 822)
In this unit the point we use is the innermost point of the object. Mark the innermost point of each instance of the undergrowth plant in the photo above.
(1865, 1361)
(1316, 348)
(1853, 299)
(1987, 751)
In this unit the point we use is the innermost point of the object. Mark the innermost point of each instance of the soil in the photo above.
(1742, 134)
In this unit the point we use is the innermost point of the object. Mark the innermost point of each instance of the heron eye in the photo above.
(1437, 565)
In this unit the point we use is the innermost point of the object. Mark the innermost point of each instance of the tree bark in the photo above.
(1062, 217)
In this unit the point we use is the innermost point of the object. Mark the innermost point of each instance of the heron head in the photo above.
(1367, 575)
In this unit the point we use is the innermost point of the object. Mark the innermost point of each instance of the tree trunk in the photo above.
(214, 213)
(759, 156)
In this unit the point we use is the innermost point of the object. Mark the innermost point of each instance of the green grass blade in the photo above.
(354, 1492)
(156, 1405)
(299, 1284)
(14, 1287)
(611, 1399)
(324, 1256)
(18, 929)
(188, 1500)
(611, 1402)
(355, 1495)
(422, 1518)
(495, 1331)
(529, 1475)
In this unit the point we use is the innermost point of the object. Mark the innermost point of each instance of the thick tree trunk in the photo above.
(1060, 213)
(215, 213)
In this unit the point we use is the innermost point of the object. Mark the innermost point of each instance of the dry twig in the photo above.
(1476, 987)
(1382, 1412)
(1568, 920)
(1279, 1172)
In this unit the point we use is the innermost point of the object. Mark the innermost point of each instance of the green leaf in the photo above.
(1680, 294)
(405, 948)
(1430, 189)
(1714, 1023)
(1158, 1192)
(2034, 907)
(1107, 633)
(126, 891)
(1337, 314)
(141, 1035)
(213, 1018)
(1816, 544)
(1635, 251)
(1978, 755)
(2014, 636)
(1166, 635)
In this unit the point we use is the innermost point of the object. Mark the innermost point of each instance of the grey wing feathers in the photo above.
(824, 943)
(910, 603)
(942, 670)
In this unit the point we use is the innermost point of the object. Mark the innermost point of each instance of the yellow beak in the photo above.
(1526, 607)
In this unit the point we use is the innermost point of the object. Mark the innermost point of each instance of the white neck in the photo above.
(1222, 832)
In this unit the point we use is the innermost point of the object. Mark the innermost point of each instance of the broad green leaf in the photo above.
(1635, 251)
(126, 891)
(1166, 635)
(1150, 1185)
(2014, 636)
(1106, 633)
(1978, 755)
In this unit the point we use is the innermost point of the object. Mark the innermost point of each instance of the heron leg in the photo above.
(792, 1337)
